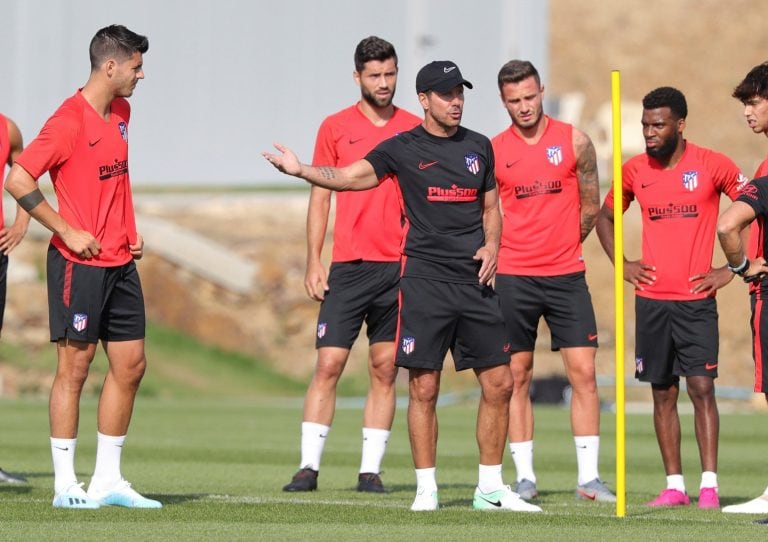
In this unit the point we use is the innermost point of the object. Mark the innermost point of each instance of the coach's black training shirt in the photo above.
(443, 181)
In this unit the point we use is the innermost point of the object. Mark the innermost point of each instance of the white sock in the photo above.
(489, 478)
(765, 492)
(425, 478)
(109, 450)
(708, 479)
(522, 455)
(63, 455)
(374, 446)
(312, 444)
(675, 481)
(587, 450)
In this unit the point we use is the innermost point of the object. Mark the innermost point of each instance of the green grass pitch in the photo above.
(219, 465)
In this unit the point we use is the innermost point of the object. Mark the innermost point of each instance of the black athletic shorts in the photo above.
(759, 323)
(87, 303)
(437, 316)
(359, 291)
(674, 339)
(562, 300)
(3, 285)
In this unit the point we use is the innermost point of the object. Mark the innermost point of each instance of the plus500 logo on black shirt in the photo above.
(454, 193)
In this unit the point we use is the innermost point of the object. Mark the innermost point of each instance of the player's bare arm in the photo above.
(23, 187)
(636, 272)
(488, 253)
(316, 277)
(10, 237)
(589, 183)
(730, 231)
(358, 175)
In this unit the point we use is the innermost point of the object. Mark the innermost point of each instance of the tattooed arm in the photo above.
(356, 176)
(589, 185)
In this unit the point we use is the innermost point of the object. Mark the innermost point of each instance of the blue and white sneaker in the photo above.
(502, 499)
(74, 497)
(123, 495)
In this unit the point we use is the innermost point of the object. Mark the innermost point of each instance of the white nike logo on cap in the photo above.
(447, 70)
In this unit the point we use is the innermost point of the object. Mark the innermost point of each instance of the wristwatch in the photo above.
(741, 269)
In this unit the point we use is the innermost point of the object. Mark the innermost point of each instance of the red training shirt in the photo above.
(679, 209)
(540, 202)
(368, 223)
(88, 161)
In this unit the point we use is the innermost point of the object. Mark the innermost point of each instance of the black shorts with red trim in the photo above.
(563, 301)
(759, 324)
(88, 303)
(674, 339)
(359, 292)
(439, 316)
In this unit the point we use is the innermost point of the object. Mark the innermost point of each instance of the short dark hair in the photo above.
(667, 97)
(754, 84)
(373, 48)
(515, 71)
(115, 41)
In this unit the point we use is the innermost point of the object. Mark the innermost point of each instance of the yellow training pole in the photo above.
(618, 258)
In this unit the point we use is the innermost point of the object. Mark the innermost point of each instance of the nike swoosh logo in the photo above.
(494, 503)
(510, 164)
(710, 366)
(592, 336)
(646, 185)
(587, 495)
(449, 70)
(93, 143)
(62, 449)
(422, 165)
(353, 141)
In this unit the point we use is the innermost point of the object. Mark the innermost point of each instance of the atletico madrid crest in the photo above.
(80, 322)
(691, 180)
(321, 328)
(555, 155)
(409, 344)
(472, 162)
(123, 130)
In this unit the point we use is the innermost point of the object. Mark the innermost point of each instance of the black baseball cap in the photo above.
(440, 76)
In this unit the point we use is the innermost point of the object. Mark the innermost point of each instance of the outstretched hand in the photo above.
(286, 161)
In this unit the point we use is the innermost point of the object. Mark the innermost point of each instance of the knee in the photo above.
(133, 372)
(500, 388)
(424, 392)
(383, 369)
(521, 374)
(329, 368)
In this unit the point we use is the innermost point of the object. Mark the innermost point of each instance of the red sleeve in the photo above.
(627, 193)
(325, 146)
(727, 175)
(53, 145)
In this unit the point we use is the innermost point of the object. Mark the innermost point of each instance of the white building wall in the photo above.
(226, 78)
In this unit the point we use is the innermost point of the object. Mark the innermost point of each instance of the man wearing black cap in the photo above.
(446, 178)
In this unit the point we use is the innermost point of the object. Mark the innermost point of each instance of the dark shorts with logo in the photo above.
(359, 292)
(439, 316)
(87, 303)
(562, 300)
(759, 322)
(674, 339)
(3, 285)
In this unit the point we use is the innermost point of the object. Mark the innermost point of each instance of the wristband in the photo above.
(740, 269)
